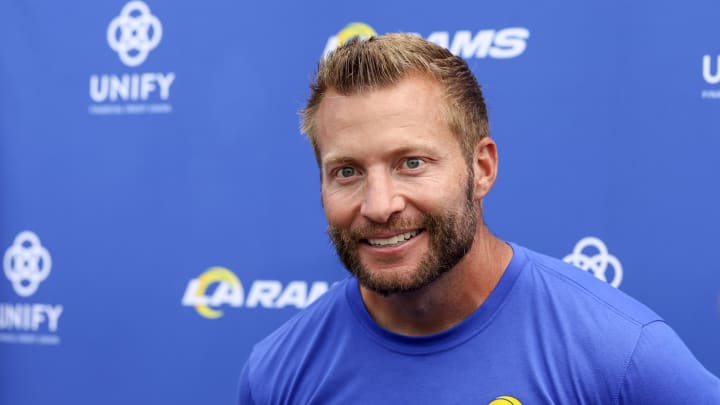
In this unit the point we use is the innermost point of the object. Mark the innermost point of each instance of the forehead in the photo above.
(414, 92)
(415, 104)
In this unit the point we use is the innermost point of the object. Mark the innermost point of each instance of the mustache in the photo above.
(394, 224)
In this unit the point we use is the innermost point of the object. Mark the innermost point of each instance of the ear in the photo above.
(485, 165)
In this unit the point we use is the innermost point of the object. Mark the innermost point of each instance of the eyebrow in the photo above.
(405, 150)
(332, 161)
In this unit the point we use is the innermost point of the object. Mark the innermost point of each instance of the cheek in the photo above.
(338, 209)
(438, 198)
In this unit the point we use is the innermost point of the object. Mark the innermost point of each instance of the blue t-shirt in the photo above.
(548, 334)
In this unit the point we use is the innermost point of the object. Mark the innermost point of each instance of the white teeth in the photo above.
(393, 240)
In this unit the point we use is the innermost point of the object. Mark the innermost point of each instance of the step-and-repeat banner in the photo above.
(160, 211)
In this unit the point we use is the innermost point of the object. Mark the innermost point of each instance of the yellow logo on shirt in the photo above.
(505, 400)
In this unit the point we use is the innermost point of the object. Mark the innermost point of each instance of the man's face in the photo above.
(397, 192)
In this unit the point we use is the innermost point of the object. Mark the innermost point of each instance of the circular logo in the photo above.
(356, 29)
(134, 33)
(598, 263)
(26, 263)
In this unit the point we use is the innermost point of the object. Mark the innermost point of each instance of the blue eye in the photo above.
(413, 163)
(346, 172)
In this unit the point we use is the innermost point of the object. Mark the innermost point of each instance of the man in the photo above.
(439, 310)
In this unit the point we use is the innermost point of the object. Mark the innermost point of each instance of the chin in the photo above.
(388, 282)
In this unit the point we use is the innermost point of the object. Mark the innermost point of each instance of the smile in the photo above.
(393, 240)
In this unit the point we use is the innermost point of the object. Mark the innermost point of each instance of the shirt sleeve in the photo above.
(245, 394)
(662, 370)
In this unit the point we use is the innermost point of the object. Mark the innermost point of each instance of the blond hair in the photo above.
(383, 61)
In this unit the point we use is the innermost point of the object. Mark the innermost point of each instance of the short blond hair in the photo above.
(383, 61)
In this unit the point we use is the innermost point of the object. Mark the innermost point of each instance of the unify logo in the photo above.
(711, 75)
(502, 43)
(26, 264)
(132, 34)
(219, 286)
(591, 254)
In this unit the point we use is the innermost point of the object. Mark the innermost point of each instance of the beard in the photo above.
(451, 234)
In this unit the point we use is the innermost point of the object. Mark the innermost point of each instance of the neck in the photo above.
(448, 300)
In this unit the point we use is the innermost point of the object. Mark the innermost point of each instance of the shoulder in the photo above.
(662, 370)
(582, 293)
(611, 335)
(589, 327)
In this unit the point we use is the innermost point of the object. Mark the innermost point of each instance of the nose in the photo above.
(381, 200)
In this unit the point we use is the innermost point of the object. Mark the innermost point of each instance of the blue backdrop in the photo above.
(160, 211)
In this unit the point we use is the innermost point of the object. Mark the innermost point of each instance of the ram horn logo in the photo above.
(26, 263)
(505, 400)
(134, 33)
(356, 29)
